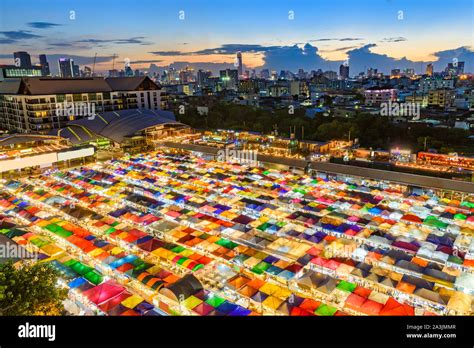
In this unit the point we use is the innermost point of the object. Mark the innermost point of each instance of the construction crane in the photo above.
(113, 61)
(93, 67)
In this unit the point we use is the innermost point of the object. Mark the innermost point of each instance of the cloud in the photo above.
(337, 39)
(61, 44)
(223, 49)
(393, 39)
(293, 58)
(19, 35)
(132, 40)
(7, 41)
(137, 40)
(43, 25)
(340, 49)
(234, 48)
(360, 58)
(168, 53)
(462, 54)
(146, 61)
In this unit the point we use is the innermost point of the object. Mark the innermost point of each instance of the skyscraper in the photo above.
(429, 69)
(239, 63)
(22, 59)
(202, 77)
(229, 79)
(44, 65)
(344, 71)
(75, 70)
(455, 68)
(66, 68)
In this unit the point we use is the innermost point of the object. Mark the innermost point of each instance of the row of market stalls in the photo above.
(153, 220)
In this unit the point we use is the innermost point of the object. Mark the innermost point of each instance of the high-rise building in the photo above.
(128, 71)
(22, 59)
(66, 67)
(344, 71)
(331, 75)
(44, 65)
(265, 74)
(75, 70)
(229, 78)
(455, 68)
(409, 72)
(202, 77)
(429, 69)
(371, 72)
(395, 73)
(239, 64)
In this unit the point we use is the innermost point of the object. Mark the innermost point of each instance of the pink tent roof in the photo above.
(103, 292)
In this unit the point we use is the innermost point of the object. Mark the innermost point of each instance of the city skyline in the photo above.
(318, 35)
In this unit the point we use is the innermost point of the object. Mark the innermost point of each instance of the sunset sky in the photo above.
(151, 31)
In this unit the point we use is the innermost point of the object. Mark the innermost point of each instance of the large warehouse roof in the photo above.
(115, 125)
(49, 85)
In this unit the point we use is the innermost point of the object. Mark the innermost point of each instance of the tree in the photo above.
(30, 290)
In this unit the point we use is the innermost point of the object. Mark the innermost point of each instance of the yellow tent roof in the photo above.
(132, 301)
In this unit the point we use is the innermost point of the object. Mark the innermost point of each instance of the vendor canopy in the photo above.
(103, 292)
(186, 286)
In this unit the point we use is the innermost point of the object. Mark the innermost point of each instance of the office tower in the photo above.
(409, 72)
(202, 77)
(66, 67)
(229, 78)
(22, 59)
(371, 72)
(455, 68)
(265, 74)
(75, 70)
(239, 63)
(128, 71)
(429, 69)
(344, 71)
(395, 73)
(44, 65)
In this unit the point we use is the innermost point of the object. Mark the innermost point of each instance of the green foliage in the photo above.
(372, 130)
(30, 290)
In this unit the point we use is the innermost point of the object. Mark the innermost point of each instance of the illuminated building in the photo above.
(22, 59)
(66, 68)
(31, 104)
(344, 71)
(239, 64)
(442, 97)
(429, 69)
(378, 95)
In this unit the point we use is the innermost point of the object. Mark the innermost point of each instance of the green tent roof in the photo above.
(346, 286)
(325, 310)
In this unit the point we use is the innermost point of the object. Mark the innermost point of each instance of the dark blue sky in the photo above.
(369, 32)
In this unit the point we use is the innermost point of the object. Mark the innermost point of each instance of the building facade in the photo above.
(40, 104)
